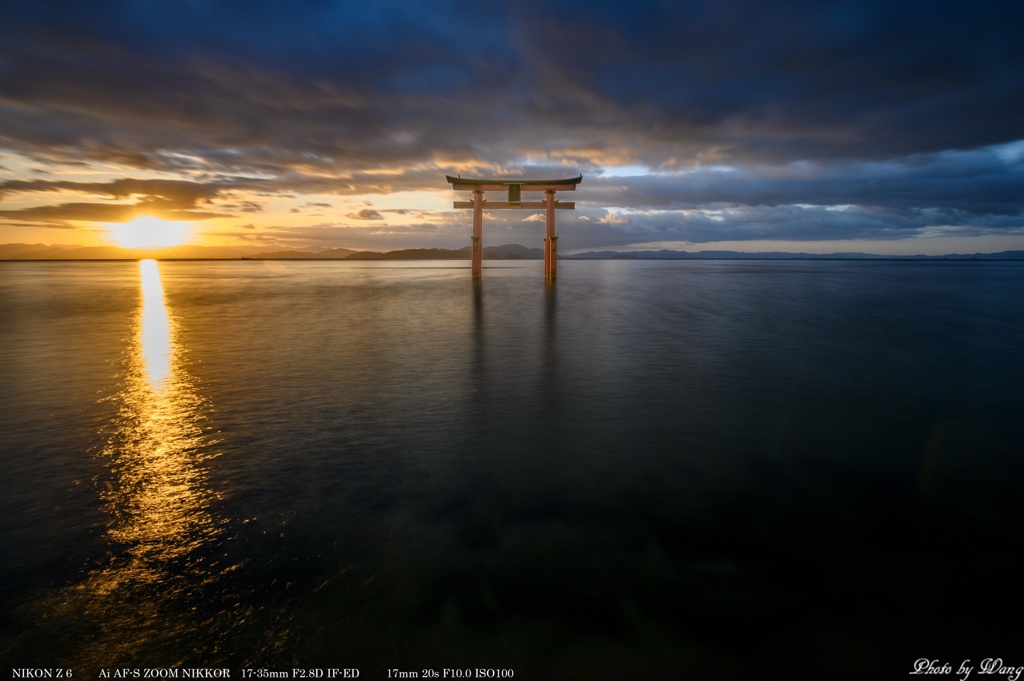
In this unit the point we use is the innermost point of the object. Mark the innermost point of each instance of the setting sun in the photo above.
(150, 232)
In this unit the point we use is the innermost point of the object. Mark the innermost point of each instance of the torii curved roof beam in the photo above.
(502, 184)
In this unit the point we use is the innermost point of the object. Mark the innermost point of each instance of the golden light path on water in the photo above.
(157, 496)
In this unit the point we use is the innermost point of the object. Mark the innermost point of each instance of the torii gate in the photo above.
(515, 188)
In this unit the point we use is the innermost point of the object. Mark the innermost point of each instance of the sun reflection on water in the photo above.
(161, 530)
(154, 326)
(159, 496)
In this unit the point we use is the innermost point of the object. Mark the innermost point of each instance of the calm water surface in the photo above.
(718, 469)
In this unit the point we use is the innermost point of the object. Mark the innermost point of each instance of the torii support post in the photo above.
(478, 228)
(515, 188)
(550, 240)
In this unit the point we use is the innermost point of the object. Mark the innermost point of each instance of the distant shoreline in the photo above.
(795, 258)
(503, 253)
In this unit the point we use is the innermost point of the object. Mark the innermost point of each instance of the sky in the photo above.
(821, 126)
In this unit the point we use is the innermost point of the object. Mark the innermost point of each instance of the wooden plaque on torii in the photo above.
(514, 188)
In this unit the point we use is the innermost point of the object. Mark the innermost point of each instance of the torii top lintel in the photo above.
(502, 184)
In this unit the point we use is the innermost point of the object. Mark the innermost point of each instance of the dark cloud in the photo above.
(100, 212)
(44, 225)
(366, 214)
(369, 83)
(175, 193)
(744, 79)
(169, 199)
(979, 182)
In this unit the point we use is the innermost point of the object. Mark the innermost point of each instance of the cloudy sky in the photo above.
(815, 125)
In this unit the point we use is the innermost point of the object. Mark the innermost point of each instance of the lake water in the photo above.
(705, 469)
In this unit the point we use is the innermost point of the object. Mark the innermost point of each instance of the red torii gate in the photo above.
(515, 189)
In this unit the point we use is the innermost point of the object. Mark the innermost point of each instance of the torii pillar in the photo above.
(515, 189)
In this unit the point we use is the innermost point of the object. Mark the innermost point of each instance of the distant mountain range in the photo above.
(778, 255)
(505, 252)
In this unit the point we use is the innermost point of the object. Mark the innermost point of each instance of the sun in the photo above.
(149, 232)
